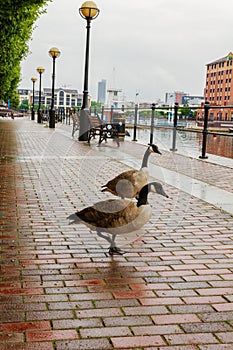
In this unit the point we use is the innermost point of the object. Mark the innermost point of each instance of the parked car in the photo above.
(9, 112)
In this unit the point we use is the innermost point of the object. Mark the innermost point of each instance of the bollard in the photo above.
(205, 130)
(111, 118)
(135, 123)
(102, 113)
(152, 122)
(174, 127)
(119, 121)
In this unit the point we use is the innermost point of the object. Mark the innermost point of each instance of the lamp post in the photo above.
(89, 11)
(33, 79)
(54, 52)
(40, 70)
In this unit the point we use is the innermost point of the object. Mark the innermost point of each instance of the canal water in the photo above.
(188, 143)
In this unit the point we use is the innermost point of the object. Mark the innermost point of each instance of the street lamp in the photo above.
(54, 53)
(89, 11)
(40, 70)
(33, 79)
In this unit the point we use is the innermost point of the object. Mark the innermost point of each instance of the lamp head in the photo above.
(54, 52)
(40, 70)
(33, 79)
(89, 10)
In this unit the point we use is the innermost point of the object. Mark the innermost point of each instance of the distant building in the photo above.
(115, 98)
(219, 87)
(67, 98)
(183, 99)
(24, 94)
(172, 97)
(102, 91)
(63, 98)
(192, 100)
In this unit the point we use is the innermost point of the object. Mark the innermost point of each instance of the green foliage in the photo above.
(97, 104)
(14, 100)
(185, 110)
(17, 18)
(24, 105)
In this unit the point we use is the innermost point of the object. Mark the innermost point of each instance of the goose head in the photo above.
(154, 148)
(155, 187)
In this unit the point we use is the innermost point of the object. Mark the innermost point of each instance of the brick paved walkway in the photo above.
(59, 289)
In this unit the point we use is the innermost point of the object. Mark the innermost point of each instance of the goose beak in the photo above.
(158, 188)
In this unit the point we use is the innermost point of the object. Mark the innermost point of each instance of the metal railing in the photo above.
(155, 117)
(164, 117)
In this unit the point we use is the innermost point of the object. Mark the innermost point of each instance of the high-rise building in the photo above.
(102, 90)
(219, 87)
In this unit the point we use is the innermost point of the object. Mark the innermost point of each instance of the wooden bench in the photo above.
(101, 129)
(75, 118)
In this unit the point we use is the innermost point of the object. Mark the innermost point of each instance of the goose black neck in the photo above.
(143, 194)
(145, 159)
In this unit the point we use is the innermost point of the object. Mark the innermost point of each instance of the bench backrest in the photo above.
(94, 121)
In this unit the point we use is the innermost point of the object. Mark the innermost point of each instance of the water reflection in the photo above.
(189, 143)
(220, 145)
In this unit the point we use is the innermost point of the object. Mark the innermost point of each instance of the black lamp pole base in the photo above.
(52, 118)
(84, 125)
(39, 116)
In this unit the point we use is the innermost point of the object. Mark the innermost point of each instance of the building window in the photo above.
(67, 100)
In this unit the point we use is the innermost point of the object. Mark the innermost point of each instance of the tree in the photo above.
(184, 111)
(97, 104)
(17, 18)
(24, 105)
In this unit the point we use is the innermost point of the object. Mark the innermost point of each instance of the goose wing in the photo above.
(109, 214)
(127, 184)
(140, 179)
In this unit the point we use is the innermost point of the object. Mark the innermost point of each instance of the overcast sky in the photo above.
(146, 46)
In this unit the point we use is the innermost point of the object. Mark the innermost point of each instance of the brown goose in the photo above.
(118, 216)
(129, 183)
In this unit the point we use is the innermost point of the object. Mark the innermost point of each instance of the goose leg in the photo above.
(113, 250)
(100, 234)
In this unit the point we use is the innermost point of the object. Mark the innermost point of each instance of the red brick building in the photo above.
(219, 87)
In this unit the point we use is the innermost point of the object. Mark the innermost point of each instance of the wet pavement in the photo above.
(59, 288)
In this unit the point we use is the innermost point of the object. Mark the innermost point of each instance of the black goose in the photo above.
(118, 216)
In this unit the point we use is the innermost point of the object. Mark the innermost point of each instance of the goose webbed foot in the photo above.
(115, 251)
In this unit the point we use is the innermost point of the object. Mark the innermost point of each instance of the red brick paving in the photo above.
(58, 287)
